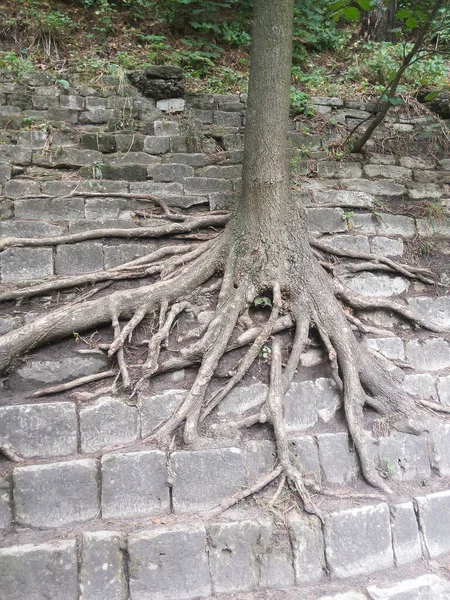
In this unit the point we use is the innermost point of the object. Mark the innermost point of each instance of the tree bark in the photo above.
(378, 23)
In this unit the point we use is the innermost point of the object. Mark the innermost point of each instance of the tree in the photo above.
(263, 254)
(377, 24)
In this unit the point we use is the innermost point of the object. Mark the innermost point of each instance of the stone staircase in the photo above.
(95, 511)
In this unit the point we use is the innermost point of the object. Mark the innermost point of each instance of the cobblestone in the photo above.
(134, 483)
(75, 259)
(338, 463)
(56, 494)
(23, 264)
(102, 573)
(405, 534)
(433, 518)
(308, 546)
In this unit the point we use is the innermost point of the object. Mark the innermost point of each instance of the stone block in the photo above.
(243, 398)
(105, 142)
(220, 172)
(358, 541)
(429, 355)
(275, 559)
(59, 370)
(96, 116)
(118, 255)
(443, 388)
(68, 157)
(23, 264)
(169, 562)
(155, 188)
(5, 508)
(384, 246)
(299, 405)
(420, 384)
(56, 209)
(129, 142)
(305, 457)
(155, 410)
(75, 259)
(424, 191)
(382, 159)
(171, 105)
(363, 223)
(132, 159)
(425, 587)
(308, 546)
(260, 458)
(21, 187)
(5, 173)
(417, 162)
(326, 220)
(431, 176)
(103, 569)
(17, 155)
(227, 119)
(406, 456)
(398, 174)
(306, 140)
(437, 310)
(206, 185)
(196, 159)
(39, 572)
(338, 170)
(440, 448)
(233, 556)
(56, 494)
(72, 102)
(170, 172)
(156, 144)
(350, 243)
(29, 229)
(87, 225)
(124, 172)
(396, 225)
(107, 423)
(405, 534)
(385, 187)
(108, 208)
(43, 430)
(379, 286)
(338, 463)
(134, 483)
(203, 478)
(434, 522)
(167, 128)
(391, 348)
(343, 197)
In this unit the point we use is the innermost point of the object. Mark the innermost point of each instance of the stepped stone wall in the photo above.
(94, 510)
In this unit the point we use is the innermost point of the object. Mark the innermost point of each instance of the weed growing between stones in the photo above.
(263, 252)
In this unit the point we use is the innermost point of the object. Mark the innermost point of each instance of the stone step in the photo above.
(192, 559)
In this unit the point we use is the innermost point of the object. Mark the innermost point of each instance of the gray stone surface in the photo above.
(118, 255)
(344, 197)
(308, 546)
(276, 570)
(406, 456)
(242, 399)
(107, 423)
(5, 172)
(168, 563)
(327, 398)
(326, 220)
(420, 384)
(305, 456)
(233, 554)
(156, 144)
(405, 534)
(196, 159)
(430, 355)
(5, 508)
(56, 494)
(339, 170)
(44, 430)
(299, 404)
(23, 264)
(202, 478)
(424, 191)
(39, 572)
(425, 587)
(135, 483)
(156, 188)
(155, 410)
(443, 388)
(170, 172)
(377, 188)
(76, 259)
(64, 369)
(391, 348)
(28, 229)
(436, 310)
(435, 524)
(440, 448)
(350, 243)
(260, 458)
(369, 284)
(206, 185)
(345, 596)
(102, 573)
(21, 187)
(57, 209)
(358, 541)
(339, 464)
(398, 174)
(396, 225)
(384, 246)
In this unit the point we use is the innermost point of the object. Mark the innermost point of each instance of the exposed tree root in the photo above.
(63, 387)
(301, 293)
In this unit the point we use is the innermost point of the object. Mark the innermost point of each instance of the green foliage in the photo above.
(18, 64)
(300, 103)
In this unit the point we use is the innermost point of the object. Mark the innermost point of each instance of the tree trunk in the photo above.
(378, 23)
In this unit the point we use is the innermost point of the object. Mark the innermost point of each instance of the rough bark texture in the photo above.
(378, 23)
